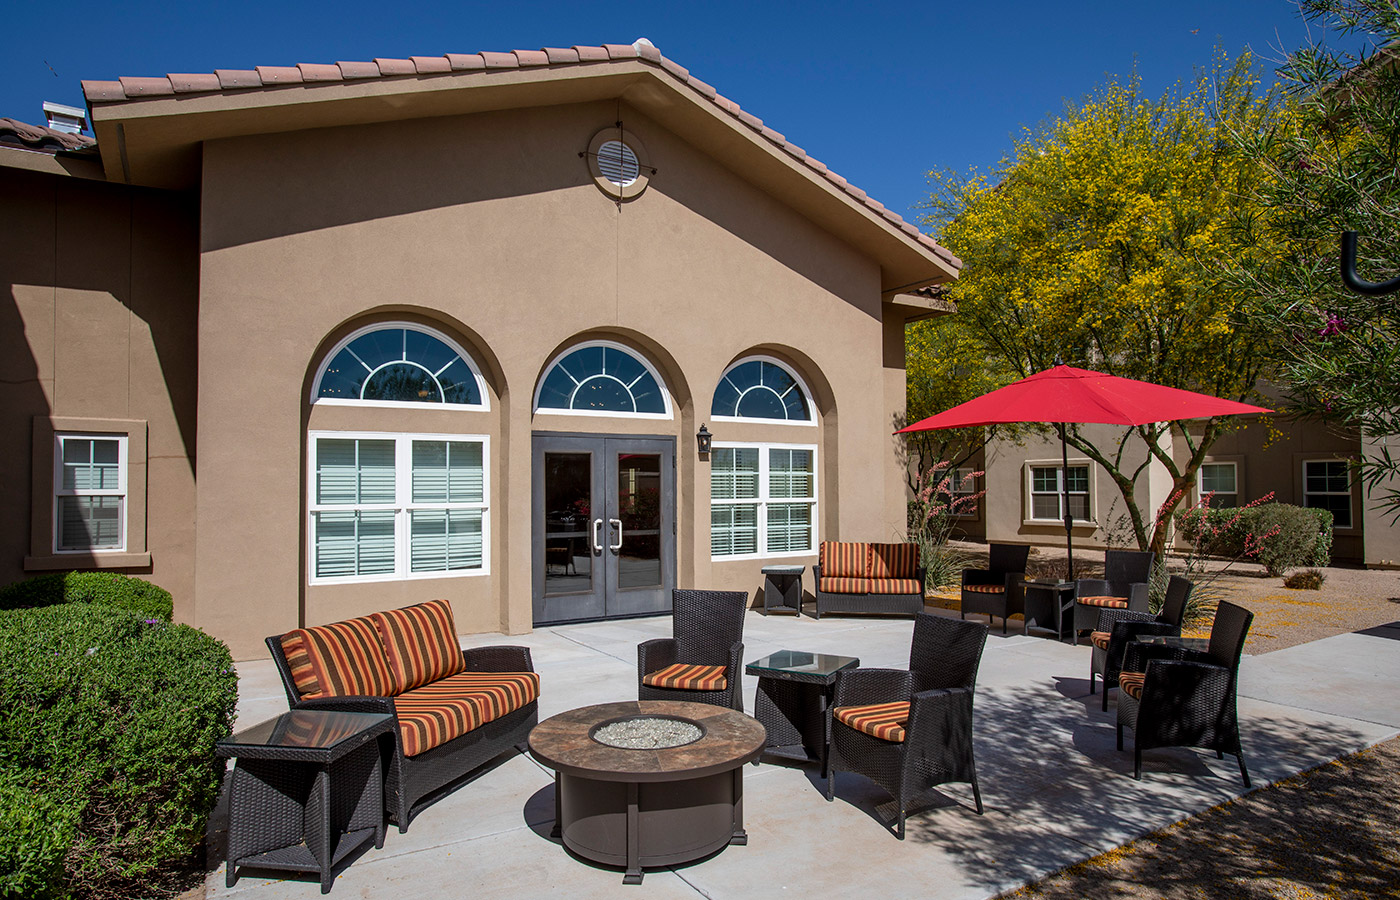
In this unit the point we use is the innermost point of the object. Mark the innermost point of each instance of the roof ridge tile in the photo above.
(311, 72)
(430, 65)
(279, 74)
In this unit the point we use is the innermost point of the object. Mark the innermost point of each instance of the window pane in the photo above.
(91, 465)
(1078, 479)
(354, 543)
(430, 471)
(376, 543)
(733, 530)
(336, 477)
(789, 527)
(602, 379)
(734, 473)
(445, 540)
(399, 365)
(377, 472)
(1079, 507)
(1044, 479)
(1045, 506)
(1339, 505)
(89, 523)
(789, 474)
(402, 383)
(1219, 477)
(465, 473)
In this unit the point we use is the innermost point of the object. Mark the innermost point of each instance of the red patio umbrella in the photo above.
(1066, 395)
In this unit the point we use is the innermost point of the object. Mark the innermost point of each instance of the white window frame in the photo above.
(483, 406)
(811, 419)
(764, 499)
(1351, 511)
(402, 506)
(1030, 492)
(60, 492)
(604, 413)
(1201, 491)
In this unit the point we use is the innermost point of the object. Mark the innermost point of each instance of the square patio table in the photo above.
(782, 587)
(1047, 600)
(307, 791)
(794, 701)
(1185, 643)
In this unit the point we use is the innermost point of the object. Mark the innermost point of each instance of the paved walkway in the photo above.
(1056, 790)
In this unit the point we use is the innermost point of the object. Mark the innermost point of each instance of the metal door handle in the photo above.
(617, 524)
(597, 535)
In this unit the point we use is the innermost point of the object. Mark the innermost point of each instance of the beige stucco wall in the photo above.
(97, 333)
(489, 228)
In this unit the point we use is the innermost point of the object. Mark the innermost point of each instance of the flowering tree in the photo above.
(1101, 240)
(1334, 165)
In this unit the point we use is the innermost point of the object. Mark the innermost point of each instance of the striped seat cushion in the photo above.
(1100, 639)
(1131, 683)
(684, 677)
(893, 585)
(432, 715)
(893, 560)
(844, 560)
(344, 659)
(1109, 602)
(885, 721)
(420, 644)
(844, 585)
(985, 588)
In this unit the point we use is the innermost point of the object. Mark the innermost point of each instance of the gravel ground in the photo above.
(1333, 831)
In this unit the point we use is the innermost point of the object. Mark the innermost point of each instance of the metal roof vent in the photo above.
(68, 119)
(618, 163)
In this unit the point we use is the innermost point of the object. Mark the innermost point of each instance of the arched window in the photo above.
(764, 389)
(398, 363)
(601, 378)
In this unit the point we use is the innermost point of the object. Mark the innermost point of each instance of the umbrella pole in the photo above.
(1064, 498)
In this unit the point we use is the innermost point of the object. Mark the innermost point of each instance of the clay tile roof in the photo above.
(38, 137)
(237, 79)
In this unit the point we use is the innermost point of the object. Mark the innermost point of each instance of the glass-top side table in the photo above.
(1046, 602)
(307, 791)
(782, 588)
(1185, 643)
(794, 701)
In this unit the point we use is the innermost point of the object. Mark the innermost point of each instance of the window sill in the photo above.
(87, 561)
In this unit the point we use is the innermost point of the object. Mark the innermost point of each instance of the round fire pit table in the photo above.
(654, 806)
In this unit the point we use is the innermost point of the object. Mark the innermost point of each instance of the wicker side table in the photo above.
(793, 702)
(782, 587)
(307, 791)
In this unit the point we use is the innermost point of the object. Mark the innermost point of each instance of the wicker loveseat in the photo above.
(454, 710)
(871, 578)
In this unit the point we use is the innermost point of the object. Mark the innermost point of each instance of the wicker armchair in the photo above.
(1185, 698)
(1120, 627)
(708, 631)
(996, 590)
(924, 713)
(1123, 586)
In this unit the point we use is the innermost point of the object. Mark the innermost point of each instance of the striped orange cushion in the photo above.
(894, 585)
(985, 588)
(1131, 683)
(844, 585)
(1110, 602)
(346, 659)
(436, 713)
(893, 560)
(294, 648)
(845, 560)
(1100, 639)
(688, 678)
(420, 643)
(885, 721)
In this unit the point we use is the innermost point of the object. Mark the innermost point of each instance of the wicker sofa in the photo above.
(454, 710)
(868, 578)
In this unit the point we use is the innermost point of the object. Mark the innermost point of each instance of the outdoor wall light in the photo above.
(702, 439)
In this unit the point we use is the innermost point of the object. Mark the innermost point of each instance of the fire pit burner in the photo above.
(647, 733)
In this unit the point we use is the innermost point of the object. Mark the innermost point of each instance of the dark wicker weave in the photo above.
(1127, 625)
(1125, 574)
(887, 604)
(412, 783)
(1006, 568)
(937, 747)
(707, 629)
(1188, 699)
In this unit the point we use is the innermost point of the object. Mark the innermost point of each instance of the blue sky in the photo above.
(881, 92)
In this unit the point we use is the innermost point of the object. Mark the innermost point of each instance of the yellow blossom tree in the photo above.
(1100, 240)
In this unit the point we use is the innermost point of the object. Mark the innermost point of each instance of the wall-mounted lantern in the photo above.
(702, 440)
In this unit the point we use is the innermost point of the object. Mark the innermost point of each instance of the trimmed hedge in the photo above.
(101, 588)
(107, 724)
(1278, 535)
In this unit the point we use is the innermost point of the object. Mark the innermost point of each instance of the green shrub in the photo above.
(101, 588)
(1278, 535)
(37, 834)
(112, 719)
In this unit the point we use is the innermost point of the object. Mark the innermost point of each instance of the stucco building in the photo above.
(299, 343)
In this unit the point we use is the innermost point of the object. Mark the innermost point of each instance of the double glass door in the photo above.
(604, 526)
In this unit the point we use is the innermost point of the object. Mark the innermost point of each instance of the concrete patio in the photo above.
(1055, 788)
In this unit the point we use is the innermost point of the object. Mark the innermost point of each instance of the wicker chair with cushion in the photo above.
(1120, 627)
(454, 710)
(1124, 586)
(700, 662)
(910, 730)
(996, 590)
(1174, 697)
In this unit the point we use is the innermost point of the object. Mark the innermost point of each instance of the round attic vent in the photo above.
(617, 160)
